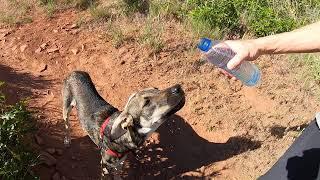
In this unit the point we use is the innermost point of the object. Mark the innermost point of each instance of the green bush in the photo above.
(238, 16)
(133, 6)
(220, 15)
(16, 159)
(168, 8)
(263, 20)
(99, 13)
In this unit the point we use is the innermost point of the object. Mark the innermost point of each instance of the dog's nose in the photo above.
(176, 89)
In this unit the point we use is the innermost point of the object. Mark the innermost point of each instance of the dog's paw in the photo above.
(67, 141)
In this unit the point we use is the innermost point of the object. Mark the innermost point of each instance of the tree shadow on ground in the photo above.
(20, 85)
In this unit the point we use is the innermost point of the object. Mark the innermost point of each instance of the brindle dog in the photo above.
(117, 132)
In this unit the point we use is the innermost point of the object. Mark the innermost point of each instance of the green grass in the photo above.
(311, 62)
(99, 13)
(116, 33)
(168, 9)
(133, 6)
(16, 158)
(151, 35)
(51, 6)
(15, 12)
(220, 18)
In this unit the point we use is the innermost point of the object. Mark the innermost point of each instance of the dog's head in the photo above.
(146, 110)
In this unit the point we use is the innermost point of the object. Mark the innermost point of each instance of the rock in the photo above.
(38, 139)
(56, 176)
(43, 46)
(75, 31)
(51, 150)
(122, 62)
(38, 51)
(43, 67)
(52, 50)
(4, 34)
(55, 31)
(73, 26)
(82, 47)
(75, 51)
(59, 152)
(63, 178)
(23, 47)
(48, 159)
(14, 48)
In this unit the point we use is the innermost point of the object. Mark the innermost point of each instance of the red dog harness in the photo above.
(109, 151)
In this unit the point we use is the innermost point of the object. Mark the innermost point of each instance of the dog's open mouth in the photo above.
(177, 107)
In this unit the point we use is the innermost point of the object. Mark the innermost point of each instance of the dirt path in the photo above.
(224, 131)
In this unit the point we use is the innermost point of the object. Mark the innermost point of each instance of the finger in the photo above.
(225, 73)
(235, 61)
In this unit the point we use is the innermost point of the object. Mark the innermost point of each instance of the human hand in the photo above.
(245, 50)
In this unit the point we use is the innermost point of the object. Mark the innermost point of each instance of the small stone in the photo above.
(38, 139)
(55, 31)
(73, 26)
(82, 47)
(59, 152)
(52, 50)
(75, 51)
(48, 159)
(4, 34)
(56, 176)
(75, 31)
(43, 67)
(43, 46)
(122, 62)
(14, 48)
(51, 150)
(23, 47)
(38, 51)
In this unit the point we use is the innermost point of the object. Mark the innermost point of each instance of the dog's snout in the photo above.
(176, 89)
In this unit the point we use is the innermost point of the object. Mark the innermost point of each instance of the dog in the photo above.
(117, 132)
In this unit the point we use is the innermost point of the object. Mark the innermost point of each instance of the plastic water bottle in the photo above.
(247, 73)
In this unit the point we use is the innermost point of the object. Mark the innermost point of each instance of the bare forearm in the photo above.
(303, 40)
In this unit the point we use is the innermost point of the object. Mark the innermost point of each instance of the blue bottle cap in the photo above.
(205, 44)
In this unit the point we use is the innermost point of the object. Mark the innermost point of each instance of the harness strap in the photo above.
(109, 151)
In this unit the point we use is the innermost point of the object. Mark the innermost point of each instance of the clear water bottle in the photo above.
(247, 73)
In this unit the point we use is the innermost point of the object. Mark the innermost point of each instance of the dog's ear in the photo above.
(121, 125)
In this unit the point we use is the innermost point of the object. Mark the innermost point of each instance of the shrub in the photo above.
(16, 159)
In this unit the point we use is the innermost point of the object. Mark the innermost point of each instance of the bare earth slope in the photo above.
(225, 131)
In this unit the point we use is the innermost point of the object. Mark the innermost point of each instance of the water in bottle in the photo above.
(247, 73)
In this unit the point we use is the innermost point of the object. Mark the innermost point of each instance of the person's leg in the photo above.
(301, 161)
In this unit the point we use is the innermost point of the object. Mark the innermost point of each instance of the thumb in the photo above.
(235, 61)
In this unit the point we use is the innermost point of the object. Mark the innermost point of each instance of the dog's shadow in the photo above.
(181, 150)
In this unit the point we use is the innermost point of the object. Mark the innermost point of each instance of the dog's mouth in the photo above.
(177, 107)
(178, 98)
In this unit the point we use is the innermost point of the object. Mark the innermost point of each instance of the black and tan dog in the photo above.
(116, 132)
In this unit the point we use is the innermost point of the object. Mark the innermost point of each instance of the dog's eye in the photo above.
(146, 102)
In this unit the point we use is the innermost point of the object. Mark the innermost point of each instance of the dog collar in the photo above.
(109, 151)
